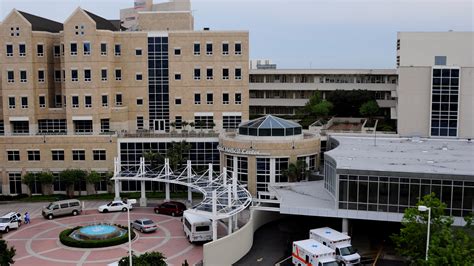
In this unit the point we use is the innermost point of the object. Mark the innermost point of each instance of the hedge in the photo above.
(71, 242)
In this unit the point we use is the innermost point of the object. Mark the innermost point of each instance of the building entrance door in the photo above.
(160, 125)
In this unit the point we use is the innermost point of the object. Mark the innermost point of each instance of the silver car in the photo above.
(144, 225)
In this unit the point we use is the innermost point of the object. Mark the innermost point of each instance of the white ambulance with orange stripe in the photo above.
(310, 252)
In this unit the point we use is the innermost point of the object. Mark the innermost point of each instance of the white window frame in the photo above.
(40, 54)
(44, 75)
(136, 76)
(212, 51)
(106, 48)
(228, 48)
(136, 49)
(235, 52)
(21, 54)
(105, 105)
(106, 74)
(75, 106)
(85, 104)
(84, 51)
(11, 80)
(200, 48)
(13, 49)
(24, 80)
(21, 101)
(42, 105)
(71, 52)
(115, 74)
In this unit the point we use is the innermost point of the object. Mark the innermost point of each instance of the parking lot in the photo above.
(38, 243)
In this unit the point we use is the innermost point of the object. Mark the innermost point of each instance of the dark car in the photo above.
(172, 208)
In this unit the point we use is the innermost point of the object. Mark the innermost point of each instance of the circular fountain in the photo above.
(98, 232)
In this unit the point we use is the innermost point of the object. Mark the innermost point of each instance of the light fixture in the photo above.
(423, 208)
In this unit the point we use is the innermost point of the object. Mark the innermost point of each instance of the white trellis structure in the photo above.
(224, 196)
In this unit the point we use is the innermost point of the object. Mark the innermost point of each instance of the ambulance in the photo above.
(310, 252)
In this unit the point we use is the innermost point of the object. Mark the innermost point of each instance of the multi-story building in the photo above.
(284, 91)
(71, 92)
(435, 90)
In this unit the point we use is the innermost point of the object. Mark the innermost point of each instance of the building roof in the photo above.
(311, 71)
(42, 24)
(404, 155)
(102, 23)
(270, 125)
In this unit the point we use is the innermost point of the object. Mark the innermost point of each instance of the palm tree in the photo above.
(177, 153)
(155, 158)
(295, 171)
(184, 124)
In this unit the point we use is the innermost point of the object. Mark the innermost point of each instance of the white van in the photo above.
(338, 241)
(196, 228)
(311, 252)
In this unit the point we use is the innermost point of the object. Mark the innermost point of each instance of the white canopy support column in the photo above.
(214, 214)
(190, 173)
(167, 174)
(116, 182)
(234, 193)
(209, 172)
(141, 171)
(229, 204)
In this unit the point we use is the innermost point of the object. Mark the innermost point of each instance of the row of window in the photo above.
(210, 74)
(209, 48)
(57, 155)
(210, 98)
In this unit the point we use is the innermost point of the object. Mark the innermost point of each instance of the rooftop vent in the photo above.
(206, 29)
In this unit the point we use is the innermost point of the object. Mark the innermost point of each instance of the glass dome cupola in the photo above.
(270, 126)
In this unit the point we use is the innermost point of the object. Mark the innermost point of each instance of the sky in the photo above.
(299, 33)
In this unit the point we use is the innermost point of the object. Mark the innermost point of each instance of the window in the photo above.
(118, 50)
(197, 98)
(87, 75)
(440, 60)
(52, 126)
(73, 48)
(78, 155)
(99, 155)
(11, 102)
(177, 101)
(118, 99)
(177, 76)
(57, 155)
(238, 48)
(20, 127)
(40, 76)
(42, 101)
(138, 52)
(139, 101)
(178, 122)
(105, 125)
(57, 75)
(445, 102)
(209, 98)
(225, 73)
(22, 49)
(24, 102)
(204, 122)
(105, 100)
(225, 98)
(103, 49)
(103, 74)
(238, 98)
(82, 127)
(75, 101)
(177, 51)
(225, 48)
(138, 76)
(11, 76)
(139, 122)
(88, 101)
(9, 50)
(197, 48)
(57, 51)
(231, 122)
(87, 48)
(34, 155)
(39, 50)
(197, 73)
(209, 74)
(23, 76)
(58, 101)
(64, 75)
(62, 49)
(238, 73)
(118, 74)
(208, 48)
(74, 75)
(15, 181)
(13, 155)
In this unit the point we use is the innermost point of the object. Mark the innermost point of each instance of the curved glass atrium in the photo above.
(270, 126)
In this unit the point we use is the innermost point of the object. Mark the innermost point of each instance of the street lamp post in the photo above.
(129, 236)
(422, 208)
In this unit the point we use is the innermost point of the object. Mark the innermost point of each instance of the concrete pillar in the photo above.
(117, 189)
(229, 226)
(143, 194)
(345, 225)
(214, 230)
(189, 172)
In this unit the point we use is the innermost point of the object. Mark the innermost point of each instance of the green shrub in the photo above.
(71, 242)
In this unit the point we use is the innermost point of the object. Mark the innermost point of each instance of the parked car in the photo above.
(62, 207)
(172, 208)
(144, 225)
(116, 206)
(9, 221)
(11, 214)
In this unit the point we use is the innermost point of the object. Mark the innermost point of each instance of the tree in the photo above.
(46, 179)
(70, 177)
(155, 158)
(91, 179)
(448, 245)
(317, 107)
(146, 259)
(295, 171)
(347, 103)
(6, 253)
(369, 109)
(322, 109)
(29, 180)
(184, 124)
(177, 153)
